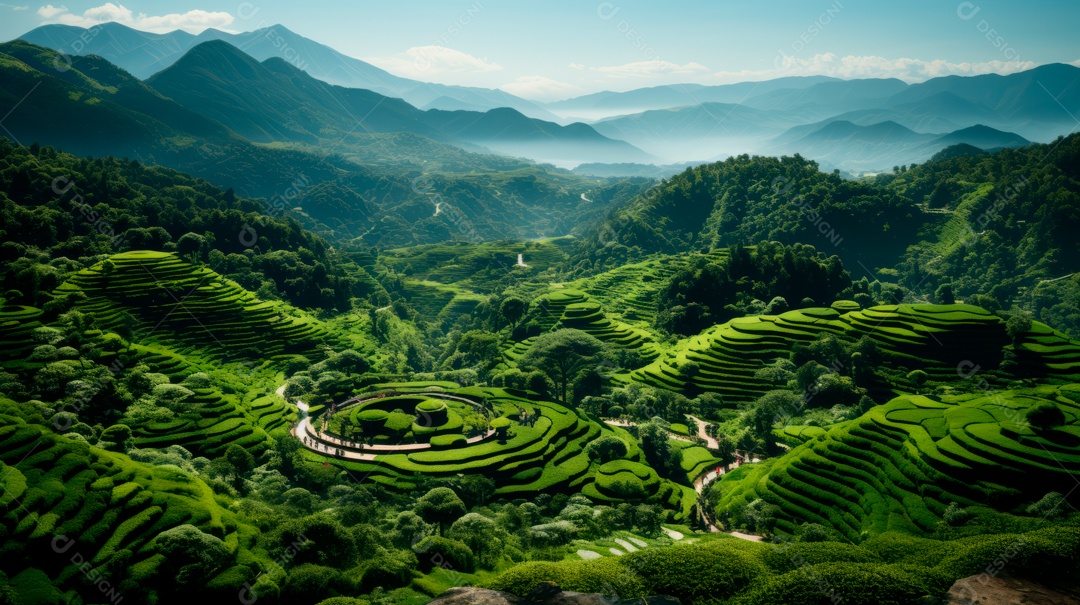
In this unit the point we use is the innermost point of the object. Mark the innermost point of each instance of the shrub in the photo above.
(1050, 506)
(816, 532)
(479, 533)
(191, 553)
(606, 449)
(438, 552)
(389, 569)
(318, 539)
(1045, 416)
(955, 515)
(308, 583)
(604, 576)
(551, 534)
(445, 442)
(44, 353)
(848, 583)
(717, 570)
(440, 505)
(789, 556)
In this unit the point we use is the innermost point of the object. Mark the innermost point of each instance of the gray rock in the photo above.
(543, 592)
(985, 589)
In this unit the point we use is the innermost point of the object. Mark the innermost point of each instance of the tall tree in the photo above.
(513, 309)
(564, 355)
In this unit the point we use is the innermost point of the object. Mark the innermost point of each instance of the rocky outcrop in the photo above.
(985, 589)
(545, 594)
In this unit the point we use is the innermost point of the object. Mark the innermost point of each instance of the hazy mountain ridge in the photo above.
(673, 123)
(275, 101)
(1032, 104)
(339, 191)
(144, 54)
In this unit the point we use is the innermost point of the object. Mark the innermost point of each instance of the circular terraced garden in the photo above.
(544, 453)
(393, 419)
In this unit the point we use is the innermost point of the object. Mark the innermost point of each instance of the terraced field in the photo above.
(569, 308)
(934, 338)
(470, 265)
(436, 301)
(899, 466)
(17, 324)
(190, 308)
(632, 288)
(57, 492)
(1044, 350)
(216, 421)
(547, 456)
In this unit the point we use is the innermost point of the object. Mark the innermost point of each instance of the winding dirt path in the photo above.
(327, 445)
(701, 424)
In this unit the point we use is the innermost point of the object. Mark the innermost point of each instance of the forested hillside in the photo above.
(993, 229)
(249, 353)
(373, 187)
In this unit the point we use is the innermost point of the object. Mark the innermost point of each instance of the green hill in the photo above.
(547, 456)
(934, 338)
(277, 101)
(900, 466)
(191, 306)
(63, 500)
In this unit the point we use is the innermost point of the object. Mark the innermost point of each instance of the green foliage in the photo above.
(120, 193)
(606, 449)
(565, 355)
(316, 539)
(707, 293)
(858, 584)
(717, 570)
(603, 576)
(190, 554)
(658, 452)
(751, 199)
(974, 449)
(1050, 506)
(440, 505)
(1045, 415)
(439, 552)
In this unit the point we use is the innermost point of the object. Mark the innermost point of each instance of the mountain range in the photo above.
(274, 101)
(416, 188)
(144, 54)
(886, 143)
(294, 90)
(694, 123)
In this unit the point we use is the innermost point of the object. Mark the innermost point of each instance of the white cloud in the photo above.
(1075, 63)
(539, 88)
(49, 11)
(15, 7)
(577, 66)
(429, 61)
(870, 66)
(193, 21)
(653, 69)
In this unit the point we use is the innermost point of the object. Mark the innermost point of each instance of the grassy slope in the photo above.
(934, 338)
(110, 506)
(899, 466)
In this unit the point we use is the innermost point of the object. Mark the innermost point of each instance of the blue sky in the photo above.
(561, 48)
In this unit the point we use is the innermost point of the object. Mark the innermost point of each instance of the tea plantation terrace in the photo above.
(546, 452)
(190, 307)
(934, 338)
(898, 467)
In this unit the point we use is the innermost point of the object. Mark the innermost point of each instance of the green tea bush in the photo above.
(603, 576)
(716, 570)
(785, 557)
(848, 583)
